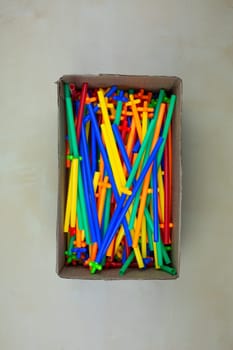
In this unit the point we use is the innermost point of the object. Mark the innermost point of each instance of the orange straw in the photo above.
(111, 248)
(101, 199)
(78, 235)
(94, 248)
(130, 142)
(170, 166)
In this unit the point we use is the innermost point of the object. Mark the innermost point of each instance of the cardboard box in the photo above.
(153, 83)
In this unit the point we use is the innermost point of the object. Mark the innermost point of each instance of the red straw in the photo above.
(81, 109)
(167, 197)
(126, 247)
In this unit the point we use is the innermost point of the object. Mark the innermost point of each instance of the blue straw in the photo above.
(108, 169)
(111, 91)
(87, 202)
(136, 147)
(124, 255)
(76, 104)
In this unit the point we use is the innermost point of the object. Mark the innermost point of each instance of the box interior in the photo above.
(153, 83)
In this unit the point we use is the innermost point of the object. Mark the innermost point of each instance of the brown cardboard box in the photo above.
(153, 83)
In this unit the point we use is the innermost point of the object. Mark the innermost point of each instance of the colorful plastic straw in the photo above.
(119, 167)
(81, 110)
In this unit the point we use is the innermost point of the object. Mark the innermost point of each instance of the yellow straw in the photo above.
(94, 248)
(143, 234)
(68, 201)
(144, 124)
(74, 192)
(139, 257)
(161, 192)
(136, 117)
(87, 129)
(119, 238)
(101, 168)
(156, 256)
(147, 179)
(130, 141)
(110, 249)
(101, 200)
(96, 180)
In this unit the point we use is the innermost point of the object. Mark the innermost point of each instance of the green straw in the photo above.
(103, 262)
(118, 113)
(127, 263)
(166, 127)
(149, 219)
(71, 243)
(70, 121)
(169, 269)
(107, 209)
(166, 257)
(161, 250)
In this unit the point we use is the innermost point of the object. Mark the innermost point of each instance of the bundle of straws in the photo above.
(119, 163)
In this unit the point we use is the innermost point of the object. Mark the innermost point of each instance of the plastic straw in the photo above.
(81, 109)
(70, 120)
(68, 203)
(127, 263)
(121, 148)
(167, 126)
(155, 204)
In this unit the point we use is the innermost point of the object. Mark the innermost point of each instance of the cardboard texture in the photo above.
(154, 83)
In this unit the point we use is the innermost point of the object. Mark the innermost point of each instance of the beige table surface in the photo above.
(39, 42)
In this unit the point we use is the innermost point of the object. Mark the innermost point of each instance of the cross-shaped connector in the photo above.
(90, 99)
(105, 183)
(144, 97)
(120, 97)
(145, 108)
(153, 103)
(70, 256)
(95, 266)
